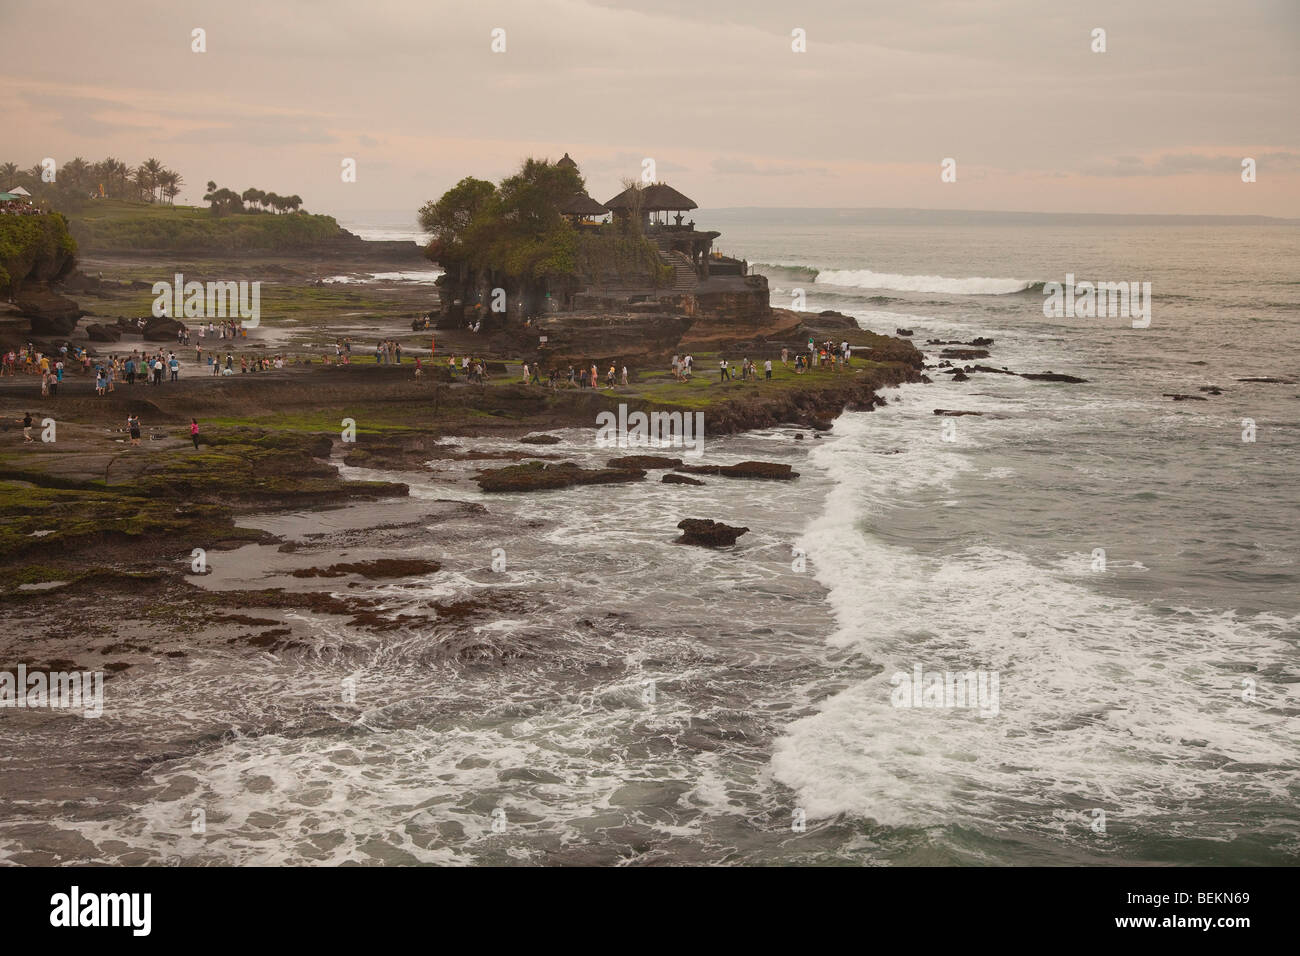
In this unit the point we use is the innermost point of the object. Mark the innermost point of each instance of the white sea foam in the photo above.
(866, 279)
(1105, 702)
(419, 276)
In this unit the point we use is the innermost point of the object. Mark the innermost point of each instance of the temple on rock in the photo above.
(636, 252)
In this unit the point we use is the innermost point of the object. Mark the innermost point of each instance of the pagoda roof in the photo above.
(656, 197)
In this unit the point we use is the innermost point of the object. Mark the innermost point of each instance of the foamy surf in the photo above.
(1106, 703)
(977, 285)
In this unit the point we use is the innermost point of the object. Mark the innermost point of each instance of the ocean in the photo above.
(1123, 565)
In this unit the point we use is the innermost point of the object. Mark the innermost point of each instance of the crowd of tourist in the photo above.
(20, 207)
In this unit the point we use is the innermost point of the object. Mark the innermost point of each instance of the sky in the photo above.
(712, 92)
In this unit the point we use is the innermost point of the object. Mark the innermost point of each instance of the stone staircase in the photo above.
(684, 277)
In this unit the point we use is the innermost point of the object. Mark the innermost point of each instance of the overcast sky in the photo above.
(710, 89)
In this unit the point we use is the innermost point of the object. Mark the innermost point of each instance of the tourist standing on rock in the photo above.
(525, 373)
(767, 369)
(677, 369)
(785, 356)
(174, 364)
(133, 425)
(194, 432)
(230, 363)
(101, 382)
(26, 422)
(723, 375)
(624, 374)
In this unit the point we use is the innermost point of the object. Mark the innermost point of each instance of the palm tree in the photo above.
(75, 172)
(273, 200)
(143, 183)
(295, 202)
(153, 169)
(115, 174)
(8, 171)
(252, 195)
(171, 182)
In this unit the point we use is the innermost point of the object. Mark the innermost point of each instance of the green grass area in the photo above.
(115, 225)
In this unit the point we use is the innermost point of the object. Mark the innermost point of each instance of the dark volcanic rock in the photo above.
(540, 440)
(830, 319)
(103, 333)
(161, 327)
(1268, 380)
(994, 371)
(680, 480)
(744, 469)
(1052, 377)
(50, 313)
(960, 376)
(953, 412)
(902, 331)
(643, 462)
(964, 354)
(542, 476)
(707, 533)
(1185, 398)
(379, 568)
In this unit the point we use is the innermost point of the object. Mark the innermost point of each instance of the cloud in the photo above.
(1182, 164)
(744, 167)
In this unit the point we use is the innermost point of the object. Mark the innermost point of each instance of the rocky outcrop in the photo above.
(162, 327)
(964, 354)
(708, 533)
(50, 313)
(103, 333)
(646, 462)
(1184, 398)
(954, 413)
(1053, 377)
(767, 470)
(540, 440)
(544, 476)
(379, 568)
(680, 480)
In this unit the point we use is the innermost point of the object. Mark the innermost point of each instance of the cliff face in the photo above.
(34, 249)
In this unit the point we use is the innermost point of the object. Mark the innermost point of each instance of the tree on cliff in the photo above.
(510, 236)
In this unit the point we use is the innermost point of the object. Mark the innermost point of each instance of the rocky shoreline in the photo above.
(97, 529)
